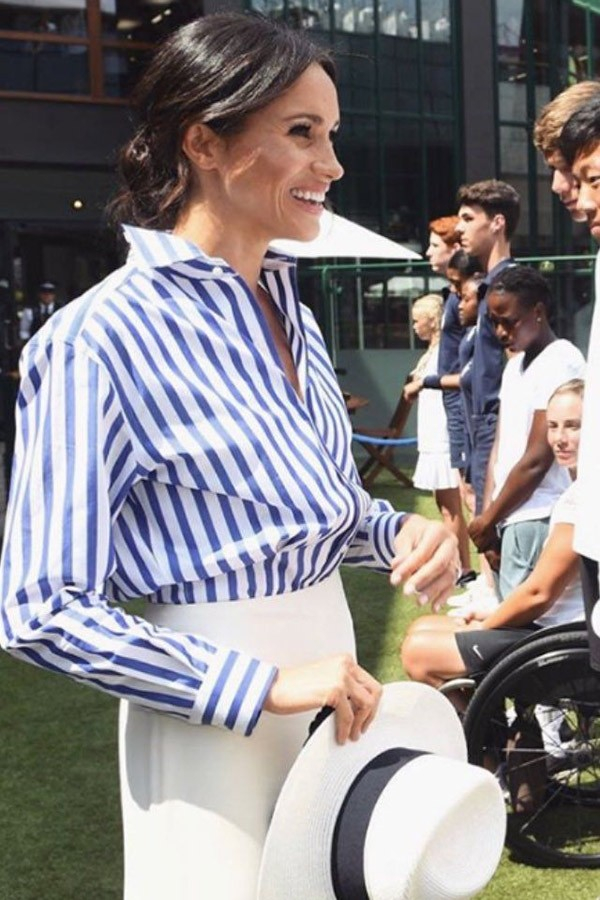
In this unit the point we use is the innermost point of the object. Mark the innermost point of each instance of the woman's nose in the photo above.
(328, 165)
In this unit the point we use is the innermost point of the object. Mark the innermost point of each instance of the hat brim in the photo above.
(295, 862)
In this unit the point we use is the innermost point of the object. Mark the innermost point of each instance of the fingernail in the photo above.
(409, 588)
(423, 600)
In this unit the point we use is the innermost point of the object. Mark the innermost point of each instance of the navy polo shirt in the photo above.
(488, 353)
(451, 334)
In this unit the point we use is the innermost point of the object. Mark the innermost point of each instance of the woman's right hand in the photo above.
(411, 390)
(337, 681)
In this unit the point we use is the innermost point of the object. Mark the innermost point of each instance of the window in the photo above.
(541, 48)
(81, 50)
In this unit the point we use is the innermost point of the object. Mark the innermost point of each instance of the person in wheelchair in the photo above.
(439, 648)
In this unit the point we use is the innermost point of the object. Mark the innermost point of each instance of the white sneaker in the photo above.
(479, 598)
(550, 719)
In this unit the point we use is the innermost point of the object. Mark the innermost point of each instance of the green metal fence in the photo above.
(367, 306)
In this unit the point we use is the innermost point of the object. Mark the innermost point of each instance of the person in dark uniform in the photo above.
(15, 333)
(488, 216)
(35, 316)
(10, 349)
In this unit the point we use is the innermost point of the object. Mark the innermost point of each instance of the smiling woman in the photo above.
(186, 431)
(271, 179)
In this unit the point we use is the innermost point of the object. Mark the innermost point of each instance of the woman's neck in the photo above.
(245, 255)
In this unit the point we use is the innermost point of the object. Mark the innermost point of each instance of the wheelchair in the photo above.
(534, 719)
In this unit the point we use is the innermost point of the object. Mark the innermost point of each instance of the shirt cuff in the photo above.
(233, 692)
(390, 528)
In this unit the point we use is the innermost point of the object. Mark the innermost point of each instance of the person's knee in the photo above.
(415, 657)
(423, 623)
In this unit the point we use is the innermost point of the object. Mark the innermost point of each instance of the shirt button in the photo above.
(218, 270)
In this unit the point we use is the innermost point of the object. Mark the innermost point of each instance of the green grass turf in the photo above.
(60, 830)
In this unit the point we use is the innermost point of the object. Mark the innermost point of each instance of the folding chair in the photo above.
(379, 444)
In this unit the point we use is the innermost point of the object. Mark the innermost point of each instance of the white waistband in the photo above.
(285, 630)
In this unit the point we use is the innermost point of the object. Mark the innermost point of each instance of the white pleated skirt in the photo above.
(434, 472)
(196, 799)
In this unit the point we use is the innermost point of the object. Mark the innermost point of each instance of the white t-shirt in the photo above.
(523, 392)
(569, 606)
(587, 525)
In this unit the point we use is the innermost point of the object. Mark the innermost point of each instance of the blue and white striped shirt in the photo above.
(162, 451)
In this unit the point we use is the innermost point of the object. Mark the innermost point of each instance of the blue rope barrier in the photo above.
(384, 442)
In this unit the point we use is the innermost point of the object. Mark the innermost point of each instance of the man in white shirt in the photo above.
(580, 146)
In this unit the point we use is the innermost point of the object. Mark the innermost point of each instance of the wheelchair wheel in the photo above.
(548, 687)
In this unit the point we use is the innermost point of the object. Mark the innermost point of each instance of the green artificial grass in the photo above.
(60, 829)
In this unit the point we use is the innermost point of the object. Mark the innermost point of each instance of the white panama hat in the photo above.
(397, 814)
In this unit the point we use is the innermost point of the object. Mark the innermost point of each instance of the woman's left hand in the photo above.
(426, 560)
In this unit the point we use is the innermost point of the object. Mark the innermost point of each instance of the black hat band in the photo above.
(349, 835)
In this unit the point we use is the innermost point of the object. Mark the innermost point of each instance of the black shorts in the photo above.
(480, 648)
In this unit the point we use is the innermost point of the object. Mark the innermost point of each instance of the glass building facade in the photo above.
(433, 93)
(541, 48)
(399, 141)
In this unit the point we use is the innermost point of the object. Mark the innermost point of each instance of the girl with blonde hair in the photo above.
(434, 469)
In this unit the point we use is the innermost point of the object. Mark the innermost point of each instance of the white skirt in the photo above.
(196, 799)
(433, 472)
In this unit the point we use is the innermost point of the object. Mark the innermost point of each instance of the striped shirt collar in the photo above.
(157, 249)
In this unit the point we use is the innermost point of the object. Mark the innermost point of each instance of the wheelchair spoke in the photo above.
(537, 722)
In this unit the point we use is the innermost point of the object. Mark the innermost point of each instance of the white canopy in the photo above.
(342, 238)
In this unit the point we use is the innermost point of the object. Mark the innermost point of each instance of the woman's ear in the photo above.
(201, 144)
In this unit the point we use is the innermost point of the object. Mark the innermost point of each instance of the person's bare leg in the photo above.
(449, 503)
(435, 623)
(467, 495)
(432, 656)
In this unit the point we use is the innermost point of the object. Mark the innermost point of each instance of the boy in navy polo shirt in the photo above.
(488, 216)
(488, 213)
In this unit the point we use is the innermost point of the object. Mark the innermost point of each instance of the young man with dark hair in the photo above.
(579, 144)
(488, 213)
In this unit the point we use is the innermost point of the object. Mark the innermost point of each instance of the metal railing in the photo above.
(367, 306)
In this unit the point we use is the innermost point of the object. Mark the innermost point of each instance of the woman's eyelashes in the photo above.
(302, 129)
(305, 130)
